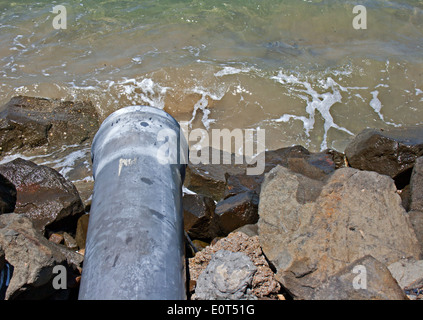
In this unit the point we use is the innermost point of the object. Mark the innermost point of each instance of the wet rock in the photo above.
(81, 230)
(43, 195)
(263, 284)
(237, 211)
(416, 186)
(297, 159)
(32, 258)
(309, 230)
(408, 273)
(199, 217)
(315, 166)
(29, 122)
(240, 183)
(228, 276)
(363, 279)
(209, 179)
(390, 152)
(281, 156)
(7, 195)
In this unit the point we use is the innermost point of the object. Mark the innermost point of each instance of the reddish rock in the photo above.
(43, 195)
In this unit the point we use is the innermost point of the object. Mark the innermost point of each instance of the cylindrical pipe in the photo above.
(135, 244)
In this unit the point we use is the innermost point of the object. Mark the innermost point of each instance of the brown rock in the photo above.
(69, 241)
(309, 232)
(56, 238)
(43, 194)
(363, 279)
(390, 152)
(28, 122)
(199, 216)
(237, 211)
(81, 230)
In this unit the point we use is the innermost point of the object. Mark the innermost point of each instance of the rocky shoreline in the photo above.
(300, 230)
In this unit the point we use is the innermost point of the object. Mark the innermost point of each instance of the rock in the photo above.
(200, 221)
(298, 159)
(32, 256)
(69, 241)
(250, 230)
(56, 238)
(264, 283)
(209, 179)
(228, 276)
(2, 259)
(309, 230)
(43, 194)
(416, 186)
(416, 219)
(390, 152)
(315, 166)
(28, 122)
(363, 279)
(240, 183)
(199, 245)
(237, 211)
(408, 273)
(7, 195)
(81, 230)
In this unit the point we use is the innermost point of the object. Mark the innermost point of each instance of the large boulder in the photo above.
(29, 122)
(33, 258)
(310, 230)
(43, 195)
(363, 279)
(390, 152)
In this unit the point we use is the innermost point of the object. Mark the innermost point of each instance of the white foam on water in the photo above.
(315, 101)
(203, 103)
(376, 105)
(230, 70)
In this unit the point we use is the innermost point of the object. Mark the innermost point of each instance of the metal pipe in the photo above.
(135, 239)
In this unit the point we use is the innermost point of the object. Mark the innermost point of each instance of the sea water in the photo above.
(298, 69)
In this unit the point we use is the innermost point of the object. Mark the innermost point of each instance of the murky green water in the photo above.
(295, 68)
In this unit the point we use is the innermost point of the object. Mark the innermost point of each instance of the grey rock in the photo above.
(363, 279)
(310, 230)
(228, 276)
(408, 273)
(389, 152)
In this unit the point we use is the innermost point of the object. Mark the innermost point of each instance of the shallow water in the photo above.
(297, 69)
